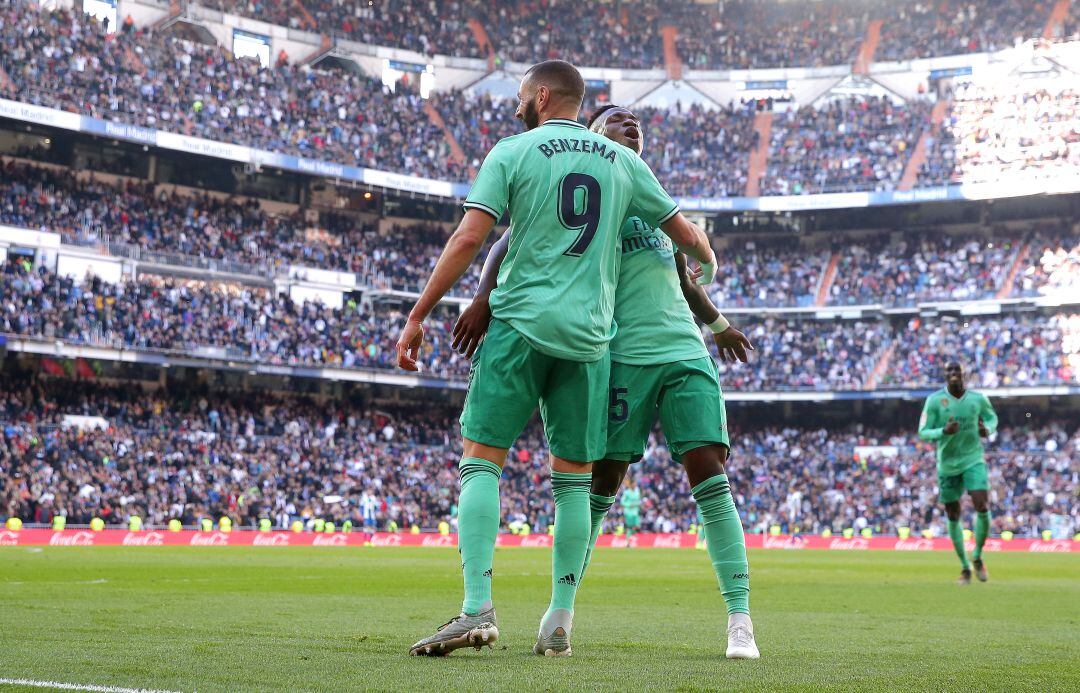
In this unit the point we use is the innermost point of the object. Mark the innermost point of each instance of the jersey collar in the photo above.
(564, 121)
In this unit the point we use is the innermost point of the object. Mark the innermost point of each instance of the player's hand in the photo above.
(471, 327)
(732, 345)
(983, 430)
(952, 426)
(408, 345)
(705, 273)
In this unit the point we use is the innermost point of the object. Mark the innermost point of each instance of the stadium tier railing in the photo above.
(1015, 186)
(222, 358)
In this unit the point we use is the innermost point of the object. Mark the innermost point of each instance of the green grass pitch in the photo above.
(230, 619)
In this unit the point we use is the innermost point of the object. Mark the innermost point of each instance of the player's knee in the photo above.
(607, 477)
(704, 463)
(952, 511)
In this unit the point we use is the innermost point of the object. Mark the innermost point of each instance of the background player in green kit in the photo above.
(660, 365)
(630, 500)
(567, 191)
(957, 419)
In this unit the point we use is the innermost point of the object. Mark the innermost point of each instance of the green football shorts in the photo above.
(688, 395)
(974, 478)
(509, 377)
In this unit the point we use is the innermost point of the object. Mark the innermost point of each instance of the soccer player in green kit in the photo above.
(630, 500)
(567, 191)
(956, 419)
(660, 365)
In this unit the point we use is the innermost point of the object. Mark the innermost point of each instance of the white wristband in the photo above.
(719, 325)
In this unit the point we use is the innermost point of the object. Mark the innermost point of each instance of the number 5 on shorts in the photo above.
(619, 407)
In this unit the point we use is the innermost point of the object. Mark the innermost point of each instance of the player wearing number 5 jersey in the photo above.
(567, 191)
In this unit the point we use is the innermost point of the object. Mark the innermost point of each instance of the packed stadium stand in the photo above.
(190, 335)
(196, 454)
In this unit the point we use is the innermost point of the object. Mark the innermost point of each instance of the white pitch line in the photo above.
(56, 685)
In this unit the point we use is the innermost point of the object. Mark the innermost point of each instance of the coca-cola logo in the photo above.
(619, 542)
(541, 540)
(330, 540)
(278, 539)
(771, 542)
(993, 545)
(668, 541)
(215, 539)
(143, 539)
(849, 544)
(1057, 546)
(9, 538)
(441, 540)
(386, 540)
(914, 545)
(75, 539)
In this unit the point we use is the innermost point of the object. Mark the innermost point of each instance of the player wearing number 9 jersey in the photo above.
(567, 191)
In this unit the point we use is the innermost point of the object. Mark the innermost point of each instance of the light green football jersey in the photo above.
(962, 449)
(655, 323)
(568, 191)
(630, 500)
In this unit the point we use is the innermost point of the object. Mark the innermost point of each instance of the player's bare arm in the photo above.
(690, 239)
(460, 251)
(473, 322)
(731, 344)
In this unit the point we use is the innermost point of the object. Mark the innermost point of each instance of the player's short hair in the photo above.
(599, 112)
(559, 76)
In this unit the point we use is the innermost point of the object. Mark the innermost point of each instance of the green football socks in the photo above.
(572, 530)
(598, 510)
(982, 530)
(725, 541)
(956, 533)
(478, 526)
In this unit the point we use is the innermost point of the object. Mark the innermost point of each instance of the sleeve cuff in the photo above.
(668, 216)
(483, 208)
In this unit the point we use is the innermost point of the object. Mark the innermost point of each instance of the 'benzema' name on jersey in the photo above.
(645, 238)
(562, 146)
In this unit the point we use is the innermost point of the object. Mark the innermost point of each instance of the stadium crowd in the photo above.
(734, 34)
(950, 27)
(1053, 264)
(807, 355)
(1007, 351)
(194, 229)
(189, 454)
(1008, 130)
(842, 145)
(213, 319)
(921, 267)
(67, 61)
(759, 273)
